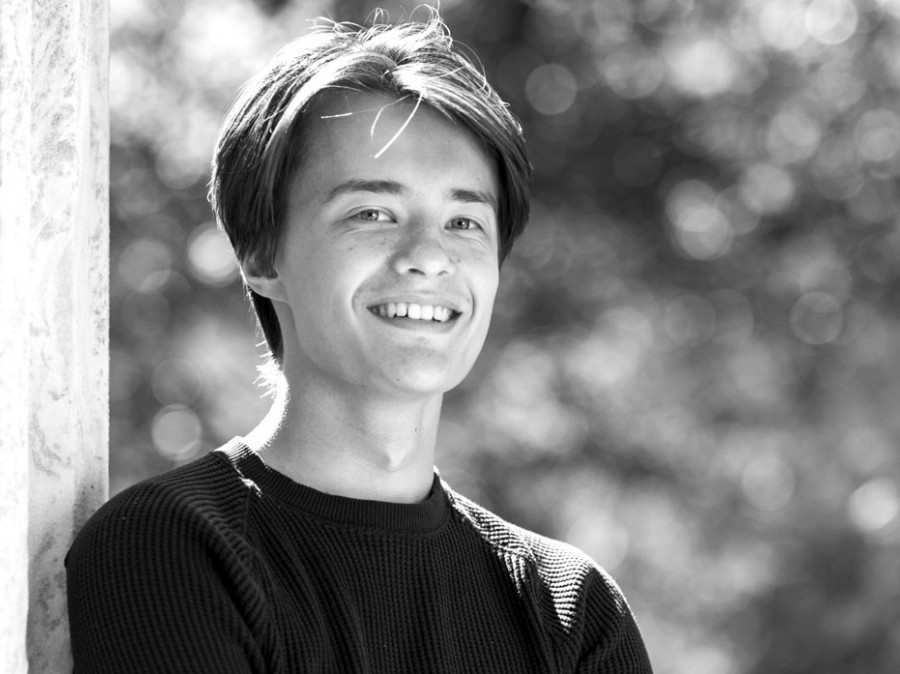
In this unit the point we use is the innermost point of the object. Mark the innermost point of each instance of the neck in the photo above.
(347, 444)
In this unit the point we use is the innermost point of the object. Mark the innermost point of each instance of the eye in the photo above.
(464, 223)
(372, 215)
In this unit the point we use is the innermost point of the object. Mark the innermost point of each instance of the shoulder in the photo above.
(205, 497)
(557, 563)
(157, 569)
(580, 604)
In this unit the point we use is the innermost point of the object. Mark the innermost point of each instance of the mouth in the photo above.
(427, 313)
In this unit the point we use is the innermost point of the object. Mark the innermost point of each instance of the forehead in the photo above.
(369, 131)
(346, 110)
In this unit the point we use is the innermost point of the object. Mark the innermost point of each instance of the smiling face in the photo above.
(386, 276)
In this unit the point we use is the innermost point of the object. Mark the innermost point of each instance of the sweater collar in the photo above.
(419, 517)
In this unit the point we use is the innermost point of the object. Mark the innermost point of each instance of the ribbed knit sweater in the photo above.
(225, 565)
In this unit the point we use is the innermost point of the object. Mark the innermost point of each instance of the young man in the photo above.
(371, 183)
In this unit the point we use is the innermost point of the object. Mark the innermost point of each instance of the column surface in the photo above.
(15, 213)
(54, 230)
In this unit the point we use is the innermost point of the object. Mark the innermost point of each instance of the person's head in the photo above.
(265, 139)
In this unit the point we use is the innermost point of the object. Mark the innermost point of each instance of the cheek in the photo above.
(485, 292)
(480, 258)
(488, 276)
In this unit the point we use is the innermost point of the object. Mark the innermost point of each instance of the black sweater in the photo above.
(227, 566)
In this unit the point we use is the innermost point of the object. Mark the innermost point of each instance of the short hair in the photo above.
(260, 145)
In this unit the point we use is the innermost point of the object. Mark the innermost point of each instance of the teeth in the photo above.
(421, 312)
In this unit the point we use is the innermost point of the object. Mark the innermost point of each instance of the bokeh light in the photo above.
(701, 66)
(211, 257)
(551, 89)
(140, 261)
(633, 72)
(874, 505)
(768, 482)
(700, 229)
(817, 318)
(176, 432)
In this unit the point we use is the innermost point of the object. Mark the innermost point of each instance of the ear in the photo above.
(265, 282)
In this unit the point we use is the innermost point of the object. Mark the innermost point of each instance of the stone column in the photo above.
(54, 228)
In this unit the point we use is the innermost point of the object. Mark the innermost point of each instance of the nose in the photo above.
(422, 251)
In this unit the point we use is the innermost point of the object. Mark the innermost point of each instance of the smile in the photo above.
(418, 312)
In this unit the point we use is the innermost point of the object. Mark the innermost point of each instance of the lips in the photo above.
(414, 311)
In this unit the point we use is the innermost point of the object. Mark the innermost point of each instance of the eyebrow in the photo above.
(474, 197)
(392, 187)
(356, 185)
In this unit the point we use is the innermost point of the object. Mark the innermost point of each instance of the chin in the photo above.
(421, 384)
(422, 389)
(419, 373)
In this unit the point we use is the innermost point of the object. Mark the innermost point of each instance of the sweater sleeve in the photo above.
(596, 630)
(577, 604)
(157, 583)
(623, 652)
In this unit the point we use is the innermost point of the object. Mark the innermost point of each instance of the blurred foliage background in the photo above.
(694, 367)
